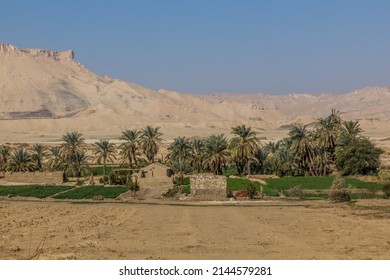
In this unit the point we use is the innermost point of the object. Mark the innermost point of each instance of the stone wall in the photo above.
(44, 178)
(208, 187)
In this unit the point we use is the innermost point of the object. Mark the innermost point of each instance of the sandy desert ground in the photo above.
(266, 230)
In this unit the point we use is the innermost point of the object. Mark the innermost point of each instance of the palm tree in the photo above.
(181, 166)
(243, 146)
(55, 160)
(302, 145)
(326, 135)
(129, 148)
(179, 149)
(39, 152)
(216, 153)
(150, 139)
(5, 153)
(197, 153)
(349, 133)
(104, 151)
(73, 143)
(78, 163)
(21, 161)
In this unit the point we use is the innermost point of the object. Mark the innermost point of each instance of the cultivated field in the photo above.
(268, 229)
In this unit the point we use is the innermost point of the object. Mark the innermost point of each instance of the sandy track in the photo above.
(135, 231)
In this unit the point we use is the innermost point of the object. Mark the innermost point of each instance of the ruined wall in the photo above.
(47, 178)
(208, 187)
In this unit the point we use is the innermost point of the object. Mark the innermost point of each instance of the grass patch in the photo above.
(90, 192)
(308, 183)
(356, 183)
(235, 184)
(32, 191)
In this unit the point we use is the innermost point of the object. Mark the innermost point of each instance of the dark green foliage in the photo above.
(186, 181)
(186, 189)
(32, 191)
(359, 157)
(386, 189)
(340, 192)
(90, 192)
(119, 177)
(251, 189)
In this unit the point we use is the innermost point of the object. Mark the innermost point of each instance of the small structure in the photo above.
(155, 169)
(208, 187)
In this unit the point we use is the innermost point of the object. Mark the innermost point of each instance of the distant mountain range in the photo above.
(46, 93)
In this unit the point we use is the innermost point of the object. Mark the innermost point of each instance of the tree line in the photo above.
(330, 145)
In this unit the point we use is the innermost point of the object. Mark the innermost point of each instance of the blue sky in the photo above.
(199, 46)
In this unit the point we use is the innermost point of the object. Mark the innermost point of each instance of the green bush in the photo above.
(252, 192)
(118, 179)
(340, 192)
(386, 189)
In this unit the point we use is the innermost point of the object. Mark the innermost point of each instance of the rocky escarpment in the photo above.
(9, 50)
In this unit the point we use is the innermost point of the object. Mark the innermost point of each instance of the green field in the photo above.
(90, 192)
(32, 191)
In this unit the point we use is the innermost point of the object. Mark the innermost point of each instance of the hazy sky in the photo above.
(202, 46)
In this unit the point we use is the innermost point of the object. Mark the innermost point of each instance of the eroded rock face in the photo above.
(9, 50)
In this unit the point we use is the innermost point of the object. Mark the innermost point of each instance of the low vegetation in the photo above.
(32, 191)
(340, 191)
(89, 192)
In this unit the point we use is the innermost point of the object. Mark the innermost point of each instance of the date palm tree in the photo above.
(129, 149)
(349, 133)
(38, 154)
(5, 153)
(181, 166)
(21, 161)
(150, 140)
(216, 153)
(242, 146)
(179, 149)
(73, 143)
(197, 154)
(302, 146)
(79, 163)
(104, 151)
(55, 161)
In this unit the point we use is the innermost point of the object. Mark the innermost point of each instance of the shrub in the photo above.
(118, 179)
(296, 191)
(171, 192)
(384, 175)
(386, 189)
(340, 192)
(251, 189)
(104, 180)
(359, 157)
